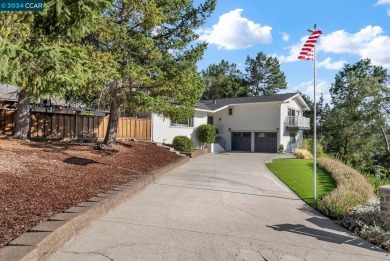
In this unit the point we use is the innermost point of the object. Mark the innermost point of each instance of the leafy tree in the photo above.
(157, 67)
(321, 110)
(264, 75)
(41, 53)
(356, 126)
(224, 80)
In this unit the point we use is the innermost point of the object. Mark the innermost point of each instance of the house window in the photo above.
(291, 112)
(230, 111)
(186, 123)
(210, 120)
(293, 137)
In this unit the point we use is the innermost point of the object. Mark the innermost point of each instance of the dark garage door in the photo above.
(266, 142)
(241, 141)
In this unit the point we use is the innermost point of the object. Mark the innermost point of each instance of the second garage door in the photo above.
(266, 142)
(241, 141)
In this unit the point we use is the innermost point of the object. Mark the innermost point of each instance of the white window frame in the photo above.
(189, 124)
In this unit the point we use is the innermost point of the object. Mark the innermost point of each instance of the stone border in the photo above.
(44, 240)
(195, 153)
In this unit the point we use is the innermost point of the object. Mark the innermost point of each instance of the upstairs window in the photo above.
(230, 111)
(186, 123)
(293, 112)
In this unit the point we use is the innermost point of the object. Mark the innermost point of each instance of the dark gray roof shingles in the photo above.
(219, 103)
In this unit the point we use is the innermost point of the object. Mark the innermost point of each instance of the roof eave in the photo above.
(305, 107)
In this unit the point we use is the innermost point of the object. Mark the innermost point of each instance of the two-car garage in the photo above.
(263, 141)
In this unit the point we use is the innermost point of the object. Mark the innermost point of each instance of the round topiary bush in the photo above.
(206, 133)
(183, 143)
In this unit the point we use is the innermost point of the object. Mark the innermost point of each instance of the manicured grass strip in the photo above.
(297, 174)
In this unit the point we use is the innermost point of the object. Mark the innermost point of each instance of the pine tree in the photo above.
(42, 53)
(264, 75)
(157, 67)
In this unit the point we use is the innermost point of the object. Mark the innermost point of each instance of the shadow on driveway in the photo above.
(325, 235)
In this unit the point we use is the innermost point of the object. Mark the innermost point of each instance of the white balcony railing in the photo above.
(297, 122)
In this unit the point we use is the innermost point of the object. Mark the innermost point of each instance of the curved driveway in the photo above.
(218, 207)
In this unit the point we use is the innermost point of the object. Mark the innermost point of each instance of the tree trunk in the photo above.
(116, 102)
(22, 117)
(386, 141)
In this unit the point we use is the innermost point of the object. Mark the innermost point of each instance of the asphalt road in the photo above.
(218, 207)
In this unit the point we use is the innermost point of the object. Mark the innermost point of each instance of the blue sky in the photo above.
(352, 30)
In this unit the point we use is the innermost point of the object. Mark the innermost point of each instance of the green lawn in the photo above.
(298, 175)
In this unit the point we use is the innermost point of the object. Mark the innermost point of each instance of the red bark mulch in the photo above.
(41, 179)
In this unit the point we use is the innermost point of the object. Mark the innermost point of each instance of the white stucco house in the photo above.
(253, 124)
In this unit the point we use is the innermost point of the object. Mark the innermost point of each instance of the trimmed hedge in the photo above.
(206, 133)
(183, 143)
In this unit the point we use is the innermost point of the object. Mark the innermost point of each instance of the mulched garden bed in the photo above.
(41, 179)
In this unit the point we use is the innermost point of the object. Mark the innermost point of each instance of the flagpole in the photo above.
(315, 123)
(305, 54)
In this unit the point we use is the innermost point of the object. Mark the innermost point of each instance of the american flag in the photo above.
(307, 49)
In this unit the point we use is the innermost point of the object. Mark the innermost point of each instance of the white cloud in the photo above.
(328, 64)
(385, 2)
(307, 88)
(285, 36)
(293, 53)
(369, 42)
(234, 32)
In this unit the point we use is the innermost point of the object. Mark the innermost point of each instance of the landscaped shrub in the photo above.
(369, 223)
(281, 148)
(183, 143)
(307, 144)
(376, 182)
(303, 154)
(352, 189)
(206, 133)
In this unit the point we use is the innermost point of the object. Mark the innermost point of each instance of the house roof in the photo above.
(213, 105)
(8, 92)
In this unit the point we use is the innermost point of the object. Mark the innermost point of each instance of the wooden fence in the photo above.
(72, 126)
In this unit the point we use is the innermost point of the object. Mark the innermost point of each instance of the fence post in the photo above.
(385, 203)
(76, 125)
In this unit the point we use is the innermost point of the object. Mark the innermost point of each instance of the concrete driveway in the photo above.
(218, 207)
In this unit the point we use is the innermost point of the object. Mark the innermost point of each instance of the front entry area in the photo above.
(266, 142)
(241, 141)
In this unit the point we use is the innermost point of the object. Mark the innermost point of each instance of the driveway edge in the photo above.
(44, 240)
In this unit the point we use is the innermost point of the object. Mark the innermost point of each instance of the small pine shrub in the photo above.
(303, 154)
(183, 143)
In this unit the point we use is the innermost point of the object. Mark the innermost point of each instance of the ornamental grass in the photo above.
(303, 154)
(352, 189)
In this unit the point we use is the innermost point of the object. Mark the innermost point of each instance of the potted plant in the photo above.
(281, 149)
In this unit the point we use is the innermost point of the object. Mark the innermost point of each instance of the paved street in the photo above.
(218, 207)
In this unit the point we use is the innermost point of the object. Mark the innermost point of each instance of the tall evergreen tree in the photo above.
(157, 67)
(264, 75)
(224, 80)
(40, 52)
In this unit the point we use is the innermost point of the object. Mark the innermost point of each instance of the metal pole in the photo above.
(315, 125)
